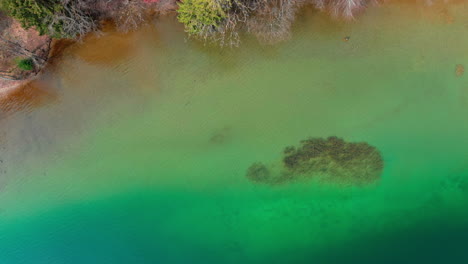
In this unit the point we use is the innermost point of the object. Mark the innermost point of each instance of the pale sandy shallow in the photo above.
(8, 86)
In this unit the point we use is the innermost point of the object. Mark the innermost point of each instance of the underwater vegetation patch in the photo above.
(221, 136)
(329, 160)
(258, 172)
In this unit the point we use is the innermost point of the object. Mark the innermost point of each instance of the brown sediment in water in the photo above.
(459, 70)
(114, 46)
(111, 46)
(57, 49)
(329, 160)
(27, 97)
(106, 47)
(439, 11)
(31, 93)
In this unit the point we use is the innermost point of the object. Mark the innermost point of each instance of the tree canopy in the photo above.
(56, 18)
(201, 16)
(35, 13)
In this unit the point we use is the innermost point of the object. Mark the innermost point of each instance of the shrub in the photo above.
(202, 17)
(25, 64)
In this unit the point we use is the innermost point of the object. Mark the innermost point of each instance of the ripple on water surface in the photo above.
(139, 154)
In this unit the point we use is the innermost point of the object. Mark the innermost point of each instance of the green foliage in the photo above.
(36, 13)
(25, 64)
(202, 16)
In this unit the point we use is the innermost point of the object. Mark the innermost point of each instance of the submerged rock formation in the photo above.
(330, 160)
(258, 172)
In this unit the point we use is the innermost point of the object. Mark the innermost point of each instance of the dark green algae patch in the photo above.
(330, 160)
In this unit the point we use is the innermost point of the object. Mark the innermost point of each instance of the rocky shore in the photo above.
(16, 44)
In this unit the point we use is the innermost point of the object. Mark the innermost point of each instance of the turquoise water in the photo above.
(139, 154)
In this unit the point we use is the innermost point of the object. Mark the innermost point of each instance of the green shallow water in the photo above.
(138, 154)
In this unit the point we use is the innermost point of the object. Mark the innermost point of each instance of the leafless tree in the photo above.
(73, 18)
(342, 8)
(130, 15)
(272, 20)
(268, 20)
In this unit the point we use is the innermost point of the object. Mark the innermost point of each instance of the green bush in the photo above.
(202, 16)
(35, 13)
(25, 64)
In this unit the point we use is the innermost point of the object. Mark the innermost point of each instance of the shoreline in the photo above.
(157, 9)
(18, 43)
(55, 47)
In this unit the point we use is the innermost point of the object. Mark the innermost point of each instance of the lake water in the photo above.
(134, 148)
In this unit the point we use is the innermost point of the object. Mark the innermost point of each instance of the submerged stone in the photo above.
(258, 172)
(221, 136)
(331, 160)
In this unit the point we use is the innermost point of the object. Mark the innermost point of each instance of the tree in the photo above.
(56, 18)
(130, 15)
(33, 13)
(271, 20)
(203, 17)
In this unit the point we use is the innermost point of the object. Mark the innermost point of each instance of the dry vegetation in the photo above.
(130, 15)
(342, 8)
(219, 21)
(269, 20)
(23, 51)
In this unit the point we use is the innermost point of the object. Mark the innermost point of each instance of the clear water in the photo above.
(110, 157)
